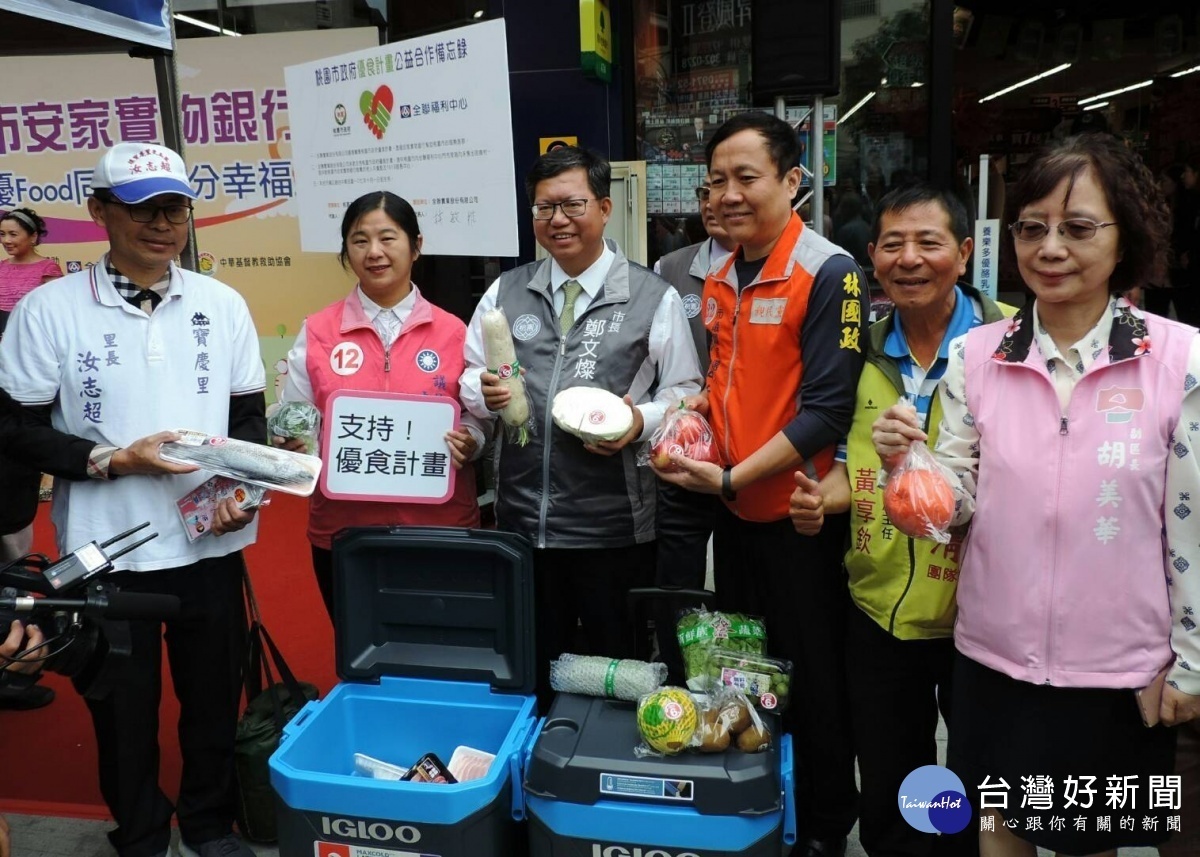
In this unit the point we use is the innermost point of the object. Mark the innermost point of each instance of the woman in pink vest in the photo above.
(1074, 430)
(21, 231)
(382, 337)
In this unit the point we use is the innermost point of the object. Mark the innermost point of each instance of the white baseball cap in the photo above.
(135, 172)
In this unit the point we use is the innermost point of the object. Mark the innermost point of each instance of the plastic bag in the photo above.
(296, 419)
(500, 355)
(668, 720)
(700, 631)
(682, 432)
(765, 682)
(594, 675)
(919, 495)
(672, 720)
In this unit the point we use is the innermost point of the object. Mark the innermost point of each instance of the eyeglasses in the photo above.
(702, 192)
(570, 207)
(177, 213)
(1077, 229)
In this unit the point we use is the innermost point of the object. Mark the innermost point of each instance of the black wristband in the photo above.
(727, 484)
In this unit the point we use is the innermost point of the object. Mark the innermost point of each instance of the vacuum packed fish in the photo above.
(280, 469)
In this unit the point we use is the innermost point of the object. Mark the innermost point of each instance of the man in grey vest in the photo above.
(586, 316)
(685, 518)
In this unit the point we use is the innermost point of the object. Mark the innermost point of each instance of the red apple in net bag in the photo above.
(685, 433)
(919, 496)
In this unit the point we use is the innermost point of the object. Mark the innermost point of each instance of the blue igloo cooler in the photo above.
(434, 646)
(588, 794)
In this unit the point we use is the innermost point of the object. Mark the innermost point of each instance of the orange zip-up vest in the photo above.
(755, 364)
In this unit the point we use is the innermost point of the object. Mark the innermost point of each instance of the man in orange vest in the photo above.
(785, 314)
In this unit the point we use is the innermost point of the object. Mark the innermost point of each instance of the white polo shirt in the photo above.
(115, 375)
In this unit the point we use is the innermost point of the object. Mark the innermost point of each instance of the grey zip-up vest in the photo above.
(685, 269)
(553, 490)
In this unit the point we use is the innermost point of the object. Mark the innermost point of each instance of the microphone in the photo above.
(110, 605)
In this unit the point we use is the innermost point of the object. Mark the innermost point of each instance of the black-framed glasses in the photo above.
(1075, 229)
(703, 192)
(570, 207)
(177, 213)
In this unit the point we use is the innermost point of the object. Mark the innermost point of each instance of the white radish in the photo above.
(501, 358)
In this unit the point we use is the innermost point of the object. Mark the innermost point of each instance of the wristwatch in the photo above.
(727, 484)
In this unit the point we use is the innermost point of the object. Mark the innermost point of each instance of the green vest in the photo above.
(906, 585)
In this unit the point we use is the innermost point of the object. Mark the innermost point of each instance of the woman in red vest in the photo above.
(382, 337)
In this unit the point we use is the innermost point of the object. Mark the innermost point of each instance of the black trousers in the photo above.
(896, 689)
(580, 601)
(797, 584)
(206, 646)
(323, 569)
(683, 524)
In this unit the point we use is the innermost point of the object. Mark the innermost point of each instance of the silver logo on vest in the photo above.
(526, 327)
(691, 305)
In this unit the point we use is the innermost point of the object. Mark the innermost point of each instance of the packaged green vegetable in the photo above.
(296, 419)
(700, 630)
(765, 681)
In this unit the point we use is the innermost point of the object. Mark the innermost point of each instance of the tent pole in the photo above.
(166, 79)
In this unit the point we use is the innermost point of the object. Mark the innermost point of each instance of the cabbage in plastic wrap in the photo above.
(297, 419)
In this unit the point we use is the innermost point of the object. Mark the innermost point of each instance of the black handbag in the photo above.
(261, 725)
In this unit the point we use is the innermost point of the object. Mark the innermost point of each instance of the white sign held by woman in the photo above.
(388, 447)
(427, 118)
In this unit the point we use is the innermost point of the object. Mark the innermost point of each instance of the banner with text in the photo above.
(427, 118)
(59, 113)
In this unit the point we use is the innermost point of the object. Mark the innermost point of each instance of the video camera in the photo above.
(84, 618)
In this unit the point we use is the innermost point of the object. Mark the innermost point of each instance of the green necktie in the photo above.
(571, 290)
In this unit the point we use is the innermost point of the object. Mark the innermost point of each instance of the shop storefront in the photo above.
(926, 88)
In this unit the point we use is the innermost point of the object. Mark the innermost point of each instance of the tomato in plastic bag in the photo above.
(685, 433)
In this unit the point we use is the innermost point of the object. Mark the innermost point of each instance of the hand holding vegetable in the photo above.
(700, 476)
(612, 447)
(502, 386)
(697, 402)
(894, 432)
(291, 444)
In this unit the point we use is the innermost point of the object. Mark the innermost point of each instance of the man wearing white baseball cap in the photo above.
(131, 347)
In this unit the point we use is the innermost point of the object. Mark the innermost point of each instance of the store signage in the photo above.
(987, 256)
(595, 39)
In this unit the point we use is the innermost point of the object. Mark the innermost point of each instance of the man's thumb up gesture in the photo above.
(806, 507)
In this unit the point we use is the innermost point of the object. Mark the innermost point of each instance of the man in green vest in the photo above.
(900, 647)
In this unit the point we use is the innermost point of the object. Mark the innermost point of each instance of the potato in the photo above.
(754, 740)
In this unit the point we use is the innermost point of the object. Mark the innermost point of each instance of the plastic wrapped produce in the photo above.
(766, 682)
(501, 358)
(597, 676)
(698, 631)
(591, 414)
(299, 420)
(919, 495)
(668, 720)
(682, 432)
